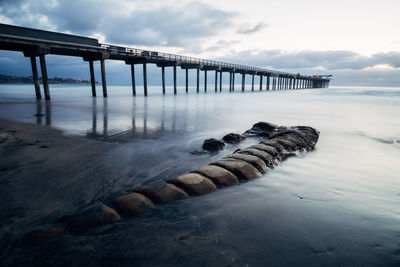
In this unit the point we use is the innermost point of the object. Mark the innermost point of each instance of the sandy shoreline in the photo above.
(45, 174)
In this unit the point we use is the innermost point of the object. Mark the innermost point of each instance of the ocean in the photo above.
(335, 206)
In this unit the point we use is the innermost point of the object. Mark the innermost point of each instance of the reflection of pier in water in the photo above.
(142, 125)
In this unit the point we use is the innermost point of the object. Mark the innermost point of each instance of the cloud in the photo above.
(246, 30)
(134, 22)
(328, 60)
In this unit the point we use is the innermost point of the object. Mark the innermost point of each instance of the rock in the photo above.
(94, 216)
(233, 138)
(242, 169)
(162, 192)
(275, 144)
(266, 148)
(257, 162)
(194, 183)
(266, 157)
(213, 144)
(288, 144)
(218, 175)
(132, 204)
(262, 129)
(43, 234)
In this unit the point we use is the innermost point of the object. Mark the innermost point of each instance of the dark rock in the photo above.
(267, 148)
(162, 192)
(275, 144)
(43, 234)
(233, 138)
(94, 216)
(194, 183)
(213, 144)
(269, 160)
(257, 162)
(261, 129)
(132, 204)
(242, 169)
(288, 144)
(218, 175)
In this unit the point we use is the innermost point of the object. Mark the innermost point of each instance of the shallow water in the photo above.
(335, 206)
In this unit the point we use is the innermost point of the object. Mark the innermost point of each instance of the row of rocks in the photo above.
(241, 166)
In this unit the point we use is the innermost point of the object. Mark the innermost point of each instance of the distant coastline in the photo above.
(7, 79)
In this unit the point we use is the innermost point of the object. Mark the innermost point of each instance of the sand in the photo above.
(45, 175)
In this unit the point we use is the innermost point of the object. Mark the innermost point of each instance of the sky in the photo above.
(356, 41)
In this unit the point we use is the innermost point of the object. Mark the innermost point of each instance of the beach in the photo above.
(336, 205)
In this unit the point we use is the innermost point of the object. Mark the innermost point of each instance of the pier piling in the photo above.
(187, 80)
(133, 79)
(205, 81)
(198, 80)
(163, 79)
(44, 77)
(35, 78)
(145, 79)
(92, 78)
(103, 77)
(261, 82)
(216, 81)
(175, 80)
(243, 81)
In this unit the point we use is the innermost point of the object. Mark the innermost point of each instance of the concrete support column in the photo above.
(35, 78)
(220, 81)
(187, 80)
(278, 84)
(261, 82)
(103, 77)
(268, 82)
(198, 80)
(174, 80)
(230, 81)
(233, 82)
(205, 81)
(44, 77)
(163, 79)
(133, 79)
(243, 81)
(145, 79)
(252, 82)
(216, 81)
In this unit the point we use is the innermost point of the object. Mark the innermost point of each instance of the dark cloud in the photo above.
(329, 60)
(254, 29)
(168, 25)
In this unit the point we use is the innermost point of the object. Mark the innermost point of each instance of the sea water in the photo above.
(335, 206)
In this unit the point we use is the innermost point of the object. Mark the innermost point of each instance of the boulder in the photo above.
(275, 144)
(262, 129)
(257, 162)
(132, 204)
(194, 183)
(266, 148)
(218, 175)
(96, 215)
(213, 144)
(289, 144)
(162, 192)
(43, 234)
(233, 138)
(240, 168)
(266, 157)
(299, 135)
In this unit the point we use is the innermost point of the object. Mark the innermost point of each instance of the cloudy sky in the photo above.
(356, 41)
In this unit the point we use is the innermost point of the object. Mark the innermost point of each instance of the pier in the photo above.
(36, 43)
